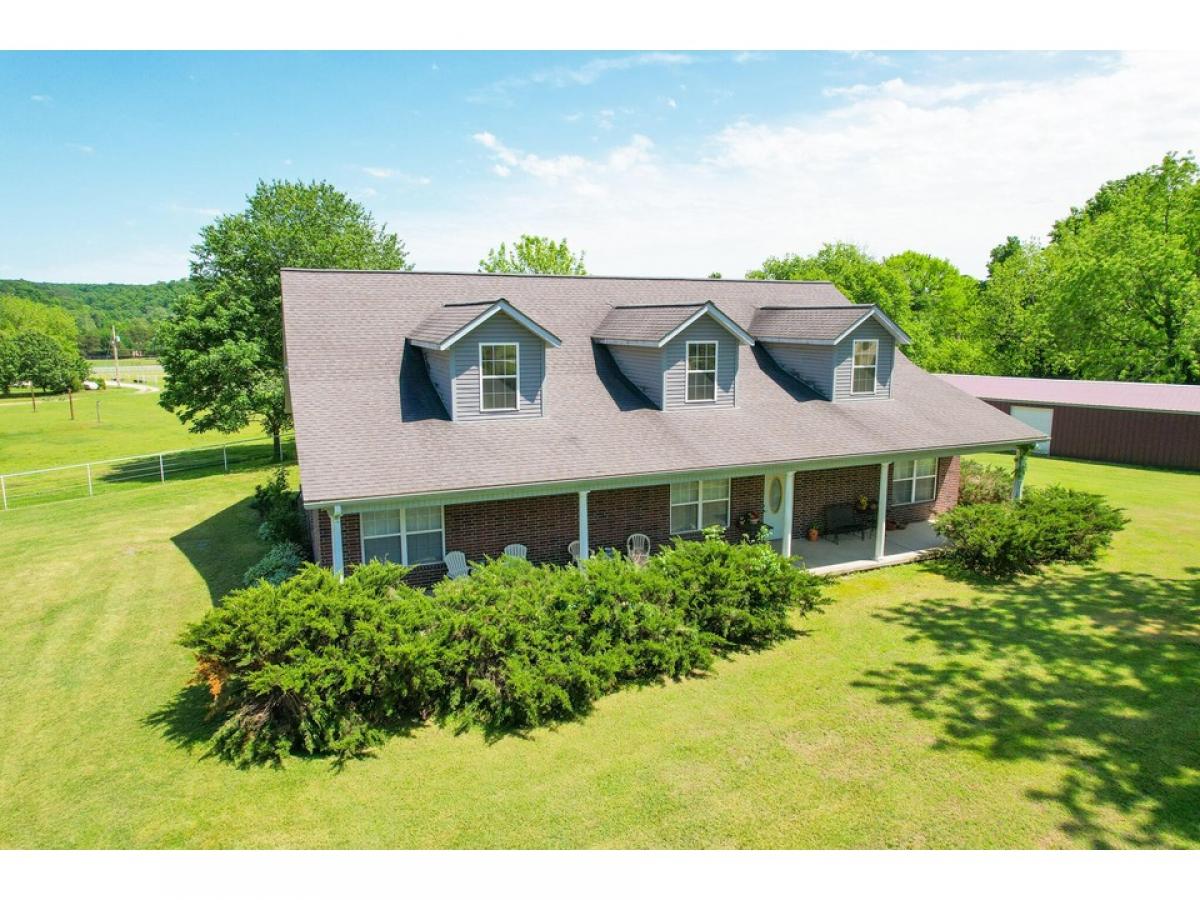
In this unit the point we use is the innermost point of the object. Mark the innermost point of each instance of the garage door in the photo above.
(1036, 417)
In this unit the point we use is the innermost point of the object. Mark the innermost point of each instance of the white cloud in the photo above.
(395, 175)
(287, 162)
(85, 149)
(949, 169)
(671, 104)
(573, 76)
(748, 56)
(40, 98)
(208, 212)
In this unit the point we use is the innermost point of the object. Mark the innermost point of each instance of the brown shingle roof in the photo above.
(365, 425)
(448, 319)
(644, 323)
(1175, 398)
(816, 324)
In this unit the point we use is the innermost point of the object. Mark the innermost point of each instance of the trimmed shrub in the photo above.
(1001, 540)
(980, 483)
(314, 664)
(279, 509)
(736, 593)
(279, 563)
(318, 665)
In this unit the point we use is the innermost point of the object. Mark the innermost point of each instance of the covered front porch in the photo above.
(853, 553)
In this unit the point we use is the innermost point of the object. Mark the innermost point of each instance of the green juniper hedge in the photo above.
(1055, 524)
(319, 665)
(982, 483)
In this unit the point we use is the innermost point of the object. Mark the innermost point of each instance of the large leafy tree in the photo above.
(18, 314)
(222, 348)
(1124, 277)
(534, 255)
(42, 360)
(1016, 314)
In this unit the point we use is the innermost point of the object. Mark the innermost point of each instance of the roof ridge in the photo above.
(563, 277)
(473, 302)
(661, 305)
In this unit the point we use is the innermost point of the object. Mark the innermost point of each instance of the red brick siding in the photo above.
(351, 540)
(745, 495)
(545, 525)
(614, 515)
(816, 490)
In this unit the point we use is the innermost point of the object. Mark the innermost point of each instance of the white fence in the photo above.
(20, 489)
(148, 375)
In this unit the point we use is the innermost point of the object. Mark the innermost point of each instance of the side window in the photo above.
(499, 371)
(914, 481)
(698, 504)
(701, 371)
(865, 366)
(407, 536)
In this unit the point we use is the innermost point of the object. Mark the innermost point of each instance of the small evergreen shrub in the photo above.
(315, 664)
(980, 483)
(279, 563)
(279, 509)
(1001, 540)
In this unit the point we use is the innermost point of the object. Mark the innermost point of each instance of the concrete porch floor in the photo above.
(853, 554)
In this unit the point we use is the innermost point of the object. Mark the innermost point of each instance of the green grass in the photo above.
(916, 712)
(130, 423)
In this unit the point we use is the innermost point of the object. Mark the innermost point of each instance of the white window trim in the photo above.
(854, 367)
(687, 370)
(699, 504)
(482, 377)
(403, 534)
(912, 483)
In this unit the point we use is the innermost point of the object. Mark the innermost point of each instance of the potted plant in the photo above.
(862, 504)
(813, 532)
(750, 524)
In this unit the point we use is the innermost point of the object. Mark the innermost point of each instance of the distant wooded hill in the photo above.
(136, 309)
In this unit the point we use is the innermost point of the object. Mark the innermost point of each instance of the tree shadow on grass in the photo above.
(222, 547)
(1095, 670)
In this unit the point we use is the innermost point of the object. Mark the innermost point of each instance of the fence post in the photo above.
(162, 473)
(91, 493)
(4, 493)
(225, 456)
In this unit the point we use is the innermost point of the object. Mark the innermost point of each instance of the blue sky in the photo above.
(654, 163)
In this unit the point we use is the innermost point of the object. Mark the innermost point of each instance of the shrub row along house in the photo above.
(439, 412)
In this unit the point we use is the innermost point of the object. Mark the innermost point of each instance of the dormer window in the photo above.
(866, 358)
(701, 371)
(499, 375)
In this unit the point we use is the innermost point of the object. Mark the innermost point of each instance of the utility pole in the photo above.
(116, 362)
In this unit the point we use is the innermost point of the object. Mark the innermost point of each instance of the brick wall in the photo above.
(816, 490)
(614, 515)
(545, 525)
(351, 539)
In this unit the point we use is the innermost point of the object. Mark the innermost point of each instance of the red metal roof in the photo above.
(1177, 398)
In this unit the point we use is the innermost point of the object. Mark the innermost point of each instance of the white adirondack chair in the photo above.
(637, 547)
(456, 564)
(573, 549)
(518, 551)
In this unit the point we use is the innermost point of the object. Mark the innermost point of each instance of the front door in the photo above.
(773, 507)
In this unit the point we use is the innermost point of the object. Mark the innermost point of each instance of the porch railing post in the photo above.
(881, 513)
(789, 505)
(335, 519)
(583, 525)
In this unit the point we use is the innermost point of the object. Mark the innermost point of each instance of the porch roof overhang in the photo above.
(644, 479)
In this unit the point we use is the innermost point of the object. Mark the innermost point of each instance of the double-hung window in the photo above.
(914, 481)
(701, 371)
(864, 367)
(499, 372)
(408, 536)
(698, 504)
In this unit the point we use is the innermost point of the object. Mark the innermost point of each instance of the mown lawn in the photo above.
(130, 423)
(916, 712)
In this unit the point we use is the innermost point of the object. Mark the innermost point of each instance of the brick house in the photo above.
(442, 411)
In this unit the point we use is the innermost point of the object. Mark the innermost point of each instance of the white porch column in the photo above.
(1019, 466)
(335, 519)
(583, 525)
(881, 513)
(789, 505)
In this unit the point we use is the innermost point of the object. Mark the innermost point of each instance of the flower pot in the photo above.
(813, 534)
